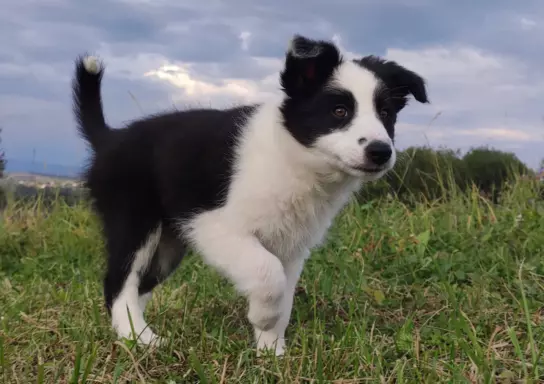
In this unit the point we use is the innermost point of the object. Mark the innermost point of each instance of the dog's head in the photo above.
(345, 111)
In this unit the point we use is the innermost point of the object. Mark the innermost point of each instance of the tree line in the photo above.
(424, 173)
(421, 173)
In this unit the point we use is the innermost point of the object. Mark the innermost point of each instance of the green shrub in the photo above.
(489, 169)
(424, 173)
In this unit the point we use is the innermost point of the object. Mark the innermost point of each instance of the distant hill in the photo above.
(41, 168)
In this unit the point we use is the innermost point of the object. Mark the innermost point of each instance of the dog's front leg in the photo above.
(256, 273)
(274, 338)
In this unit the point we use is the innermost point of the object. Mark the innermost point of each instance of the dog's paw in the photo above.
(151, 339)
(145, 338)
(277, 350)
(269, 342)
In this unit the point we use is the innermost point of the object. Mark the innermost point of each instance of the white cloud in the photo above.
(440, 134)
(197, 82)
(452, 64)
(221, 92)
(132, 66)
(479, 88)
(245, 37)
(527, 24)
(498, 133)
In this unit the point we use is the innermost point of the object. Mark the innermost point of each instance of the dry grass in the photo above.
(449, 292)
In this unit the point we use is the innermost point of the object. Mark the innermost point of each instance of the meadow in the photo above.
(442, 291)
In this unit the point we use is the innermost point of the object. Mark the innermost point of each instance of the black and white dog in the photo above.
(252, 189)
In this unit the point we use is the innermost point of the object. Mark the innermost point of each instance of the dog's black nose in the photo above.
(378, 152)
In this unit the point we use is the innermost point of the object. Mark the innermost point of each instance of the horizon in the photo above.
(73, 170)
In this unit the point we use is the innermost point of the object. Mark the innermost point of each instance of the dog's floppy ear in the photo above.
(308, 65)
(398, 79)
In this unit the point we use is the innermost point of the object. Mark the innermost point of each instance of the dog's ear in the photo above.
(308, 65)
(398, 79)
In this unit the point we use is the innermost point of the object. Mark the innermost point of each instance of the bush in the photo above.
(423, 173)
(427, 173)
(489, 170)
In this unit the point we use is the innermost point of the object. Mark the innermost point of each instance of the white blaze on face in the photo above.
(346, 145)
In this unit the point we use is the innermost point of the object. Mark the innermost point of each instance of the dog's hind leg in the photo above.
(131, 247)
(167, 257)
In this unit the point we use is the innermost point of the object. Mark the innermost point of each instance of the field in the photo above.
(449, 291)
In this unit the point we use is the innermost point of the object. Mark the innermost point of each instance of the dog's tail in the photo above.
(87, 101)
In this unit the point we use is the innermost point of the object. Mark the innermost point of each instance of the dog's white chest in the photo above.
(288, 228)
(290, 222)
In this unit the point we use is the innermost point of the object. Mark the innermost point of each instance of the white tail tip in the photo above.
(92, 64)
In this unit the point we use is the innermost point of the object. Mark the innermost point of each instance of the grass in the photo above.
(443, 292)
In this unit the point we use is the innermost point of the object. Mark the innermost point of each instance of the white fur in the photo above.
(92, 64)
(129, 301)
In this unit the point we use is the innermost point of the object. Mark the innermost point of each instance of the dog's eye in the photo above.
(384, 114)
(340, 111)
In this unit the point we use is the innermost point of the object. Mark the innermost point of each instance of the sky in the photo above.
(482, 61)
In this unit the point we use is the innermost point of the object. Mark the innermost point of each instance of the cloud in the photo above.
(252, 79)
(245, 37)
(481, 98)
(527, 23)
(482, 62)
(469, 83)
(193, 88)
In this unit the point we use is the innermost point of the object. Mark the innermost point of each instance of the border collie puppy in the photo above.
(252, 189)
